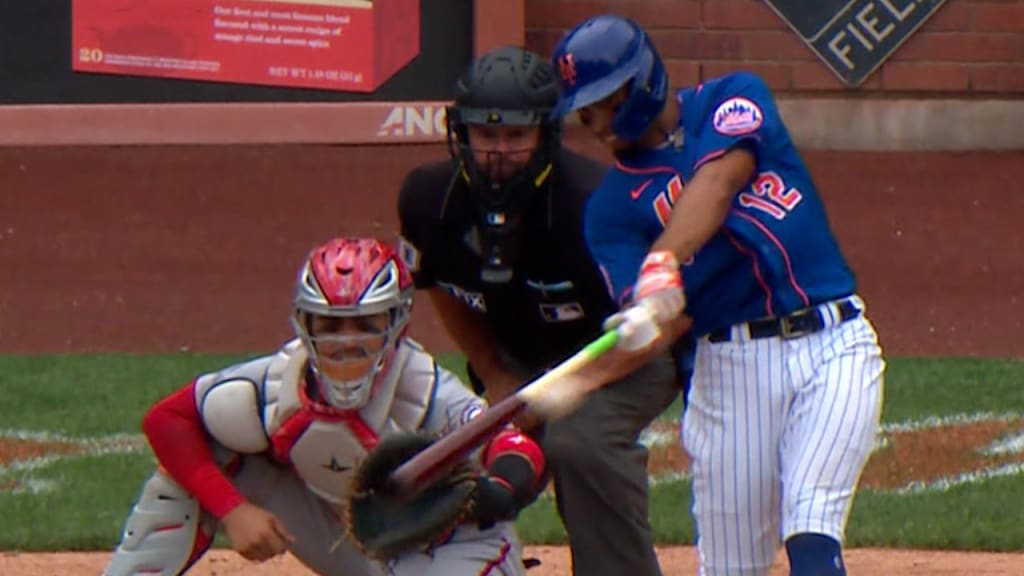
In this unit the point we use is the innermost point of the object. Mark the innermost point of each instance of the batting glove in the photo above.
(637, 328)
(660, 286)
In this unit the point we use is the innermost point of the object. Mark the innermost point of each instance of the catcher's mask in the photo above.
(501, 133)
(351, 306)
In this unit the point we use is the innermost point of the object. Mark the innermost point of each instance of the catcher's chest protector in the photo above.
(324, 450)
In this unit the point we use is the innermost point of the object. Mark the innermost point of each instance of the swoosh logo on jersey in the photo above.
(636, 192)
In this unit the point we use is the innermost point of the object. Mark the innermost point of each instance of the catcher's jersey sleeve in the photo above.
(226, 406)
(175, 431)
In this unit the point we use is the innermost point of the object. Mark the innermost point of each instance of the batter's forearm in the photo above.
(694, 220)
(705, 203)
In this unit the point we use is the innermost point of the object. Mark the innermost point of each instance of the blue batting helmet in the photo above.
(599, 56)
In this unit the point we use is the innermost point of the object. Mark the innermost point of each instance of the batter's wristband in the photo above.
(660, 259)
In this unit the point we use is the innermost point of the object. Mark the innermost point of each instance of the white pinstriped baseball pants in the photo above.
(779, 431)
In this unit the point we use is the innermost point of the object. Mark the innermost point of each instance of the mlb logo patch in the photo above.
(737, 116)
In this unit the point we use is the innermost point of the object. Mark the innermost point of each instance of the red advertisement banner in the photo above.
(346, 45)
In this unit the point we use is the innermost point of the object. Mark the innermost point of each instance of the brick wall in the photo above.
(967, 48)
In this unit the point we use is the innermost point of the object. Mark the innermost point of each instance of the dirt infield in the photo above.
(555, 562)
(195, 248)
(918, 456)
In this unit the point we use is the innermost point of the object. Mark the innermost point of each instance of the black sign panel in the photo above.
(854, 37)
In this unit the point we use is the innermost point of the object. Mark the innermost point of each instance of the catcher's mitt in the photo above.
(381, 524)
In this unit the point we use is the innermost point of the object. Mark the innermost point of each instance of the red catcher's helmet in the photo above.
(351, 306)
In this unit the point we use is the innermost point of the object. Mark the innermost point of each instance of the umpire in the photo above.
(494, 235)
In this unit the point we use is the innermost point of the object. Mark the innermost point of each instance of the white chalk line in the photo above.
(28, 475)
(26, 472)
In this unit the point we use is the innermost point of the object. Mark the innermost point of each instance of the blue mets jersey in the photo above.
(775, 252)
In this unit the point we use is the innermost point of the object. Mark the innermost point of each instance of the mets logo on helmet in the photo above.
(567, 68)
(737, 116)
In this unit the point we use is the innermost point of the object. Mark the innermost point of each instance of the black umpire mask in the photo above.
(505, 97)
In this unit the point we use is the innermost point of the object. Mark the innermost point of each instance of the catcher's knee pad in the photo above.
(163, 535)
(814, 555)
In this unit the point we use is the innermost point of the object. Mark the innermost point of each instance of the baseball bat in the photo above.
(543, 394)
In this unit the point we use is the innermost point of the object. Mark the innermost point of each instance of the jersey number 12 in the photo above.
(769, 194)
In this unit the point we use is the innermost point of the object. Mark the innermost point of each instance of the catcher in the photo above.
(291, 452)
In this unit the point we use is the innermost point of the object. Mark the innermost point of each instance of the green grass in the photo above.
(917, 388)
(88, 510)
(100, 395)
(92, 395)
(48, 393)
(983, 516)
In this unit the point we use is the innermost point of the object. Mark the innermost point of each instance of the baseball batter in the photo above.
(266, 448)
(787, 388)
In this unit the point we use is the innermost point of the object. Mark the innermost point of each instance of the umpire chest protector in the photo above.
(555, 299)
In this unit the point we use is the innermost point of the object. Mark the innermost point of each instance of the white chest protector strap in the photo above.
(405, 396)
(283, 378)
(162, 535)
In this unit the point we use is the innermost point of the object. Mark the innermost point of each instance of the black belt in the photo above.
(799, 323)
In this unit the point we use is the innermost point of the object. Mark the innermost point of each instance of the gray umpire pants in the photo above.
(599, 470)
